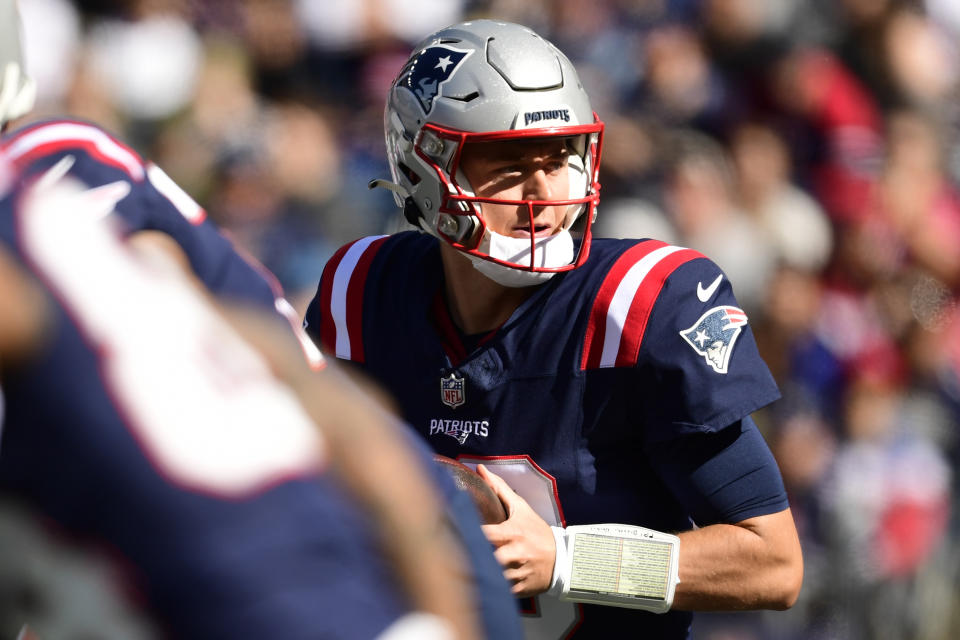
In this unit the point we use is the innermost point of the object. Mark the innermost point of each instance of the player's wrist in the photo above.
(560, 577)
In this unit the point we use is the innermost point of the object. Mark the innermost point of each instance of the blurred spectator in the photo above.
(51, 46)
(790, 333)
(682, 89)
(700, 201)
(916, 198)
(838, 140)
(634, 218)
(124, 54)
(921, 58)
(355, 24)
(796, 227)
(886, 502)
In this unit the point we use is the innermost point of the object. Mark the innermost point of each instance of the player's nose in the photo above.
(537, 186)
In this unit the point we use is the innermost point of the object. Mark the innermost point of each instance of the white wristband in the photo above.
(616, 565)
(560, 565)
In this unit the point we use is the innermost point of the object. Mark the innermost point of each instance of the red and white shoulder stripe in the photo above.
(60, 135)
(341, 297)
(618, 318)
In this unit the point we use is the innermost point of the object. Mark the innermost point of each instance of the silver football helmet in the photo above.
(17, 91)
(483, 81)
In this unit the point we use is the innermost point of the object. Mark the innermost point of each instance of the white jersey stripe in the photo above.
(67, 131)
(338, 294)
(623, 299)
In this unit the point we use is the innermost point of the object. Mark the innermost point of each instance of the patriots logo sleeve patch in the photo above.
(714, 334)
(432, 67)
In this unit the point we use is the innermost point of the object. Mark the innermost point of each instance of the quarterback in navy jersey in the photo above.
(602, 387)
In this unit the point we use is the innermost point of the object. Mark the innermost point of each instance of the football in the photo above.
(466, 479)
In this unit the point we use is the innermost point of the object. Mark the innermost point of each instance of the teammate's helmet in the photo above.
(483, 81)
(17, 91)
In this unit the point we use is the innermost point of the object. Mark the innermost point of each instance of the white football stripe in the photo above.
(67, 131)
(338, 294)
(623, 298)
(196, 399)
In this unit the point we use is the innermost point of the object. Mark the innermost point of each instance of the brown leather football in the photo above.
(466, 479)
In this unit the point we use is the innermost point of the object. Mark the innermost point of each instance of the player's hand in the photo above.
(523, 543)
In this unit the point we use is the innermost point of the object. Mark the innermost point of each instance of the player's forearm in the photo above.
(407, 509)
(756, 564)
(381, 471)
(428, 562)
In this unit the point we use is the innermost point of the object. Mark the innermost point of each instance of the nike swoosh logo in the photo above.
(706, 294)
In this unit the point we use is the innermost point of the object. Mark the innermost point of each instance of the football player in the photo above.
(156, 215)
(136, 422)
(154, 208)
(603, 387)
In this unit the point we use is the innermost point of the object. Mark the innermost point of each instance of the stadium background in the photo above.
(810, 147)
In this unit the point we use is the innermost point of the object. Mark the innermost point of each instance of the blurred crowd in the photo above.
(811, 147)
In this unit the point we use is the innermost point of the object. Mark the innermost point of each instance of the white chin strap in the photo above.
(553, 251)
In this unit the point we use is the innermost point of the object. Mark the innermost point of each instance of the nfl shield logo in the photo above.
(451, 391)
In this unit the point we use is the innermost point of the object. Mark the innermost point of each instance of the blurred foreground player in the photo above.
(150, 442)
(156, 214)
(155, 209)
(609, 383)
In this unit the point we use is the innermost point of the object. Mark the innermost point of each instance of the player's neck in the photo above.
(476, 302)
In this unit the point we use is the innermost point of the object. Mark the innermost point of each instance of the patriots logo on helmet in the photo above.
(714, 334)
(429, 69)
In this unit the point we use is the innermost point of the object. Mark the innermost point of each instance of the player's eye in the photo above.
(555, 165)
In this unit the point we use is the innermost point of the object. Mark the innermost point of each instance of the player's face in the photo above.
(519, 170)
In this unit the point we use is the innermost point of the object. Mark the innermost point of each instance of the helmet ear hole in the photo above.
(409, 173)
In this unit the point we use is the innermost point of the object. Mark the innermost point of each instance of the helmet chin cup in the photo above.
(508, 276)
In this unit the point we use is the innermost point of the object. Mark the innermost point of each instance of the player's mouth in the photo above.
(539, 231)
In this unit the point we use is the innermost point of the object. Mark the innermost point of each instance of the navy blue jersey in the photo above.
(146, 199)
(618, 392)
(146, 427)
(154, 201)
(152, 443)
